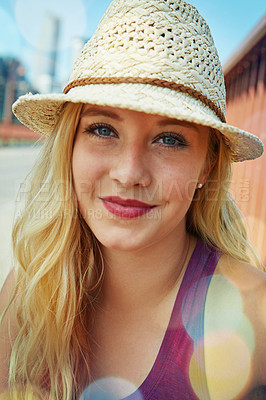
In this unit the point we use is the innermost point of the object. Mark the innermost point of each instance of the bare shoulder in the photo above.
(235, 313)
(250, 284)
(8, 329)
(242, 274)
(8, 285)
(5, 295)
(7, 291)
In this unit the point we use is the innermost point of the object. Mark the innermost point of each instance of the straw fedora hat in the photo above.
(155, 56)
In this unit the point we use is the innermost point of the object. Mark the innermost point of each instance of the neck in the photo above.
(144, 277)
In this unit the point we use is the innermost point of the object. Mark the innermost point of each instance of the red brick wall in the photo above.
(246, 108)
(10, 131)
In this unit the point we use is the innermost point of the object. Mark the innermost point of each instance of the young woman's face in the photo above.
(135, 175)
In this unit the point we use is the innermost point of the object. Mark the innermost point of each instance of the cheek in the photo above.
(86, 170)
(179, 184)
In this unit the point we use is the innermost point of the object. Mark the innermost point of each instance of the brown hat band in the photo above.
(179, 87)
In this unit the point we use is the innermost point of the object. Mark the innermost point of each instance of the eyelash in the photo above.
(181, 142)
(92, 128)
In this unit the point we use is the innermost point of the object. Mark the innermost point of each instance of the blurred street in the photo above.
(15, 163)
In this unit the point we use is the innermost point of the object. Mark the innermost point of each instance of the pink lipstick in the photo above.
(125, 208)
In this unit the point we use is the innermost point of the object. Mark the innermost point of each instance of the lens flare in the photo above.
(262, 308)
(197, 373)
(193, 309)
(232, 321)
(220, 366)
(30, 18)
(111, 388)
(224, 311)
(227, 366)
(9, 35)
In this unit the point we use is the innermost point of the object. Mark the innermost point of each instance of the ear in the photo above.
(206, 172)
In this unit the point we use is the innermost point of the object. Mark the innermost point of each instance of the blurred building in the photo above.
(46, 56)
(245, 78)
(13, 83)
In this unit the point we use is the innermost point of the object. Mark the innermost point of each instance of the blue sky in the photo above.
(21, 21)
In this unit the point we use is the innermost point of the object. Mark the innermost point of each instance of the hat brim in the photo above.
(40, 112)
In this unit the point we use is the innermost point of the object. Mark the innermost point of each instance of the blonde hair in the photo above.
(58, 274)
(59, 267)
(27, 393)
(213, 214)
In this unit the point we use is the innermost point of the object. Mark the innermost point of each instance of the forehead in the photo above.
(121, 115)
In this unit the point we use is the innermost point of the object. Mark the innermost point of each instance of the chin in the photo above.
(120, 244)
(120, 241)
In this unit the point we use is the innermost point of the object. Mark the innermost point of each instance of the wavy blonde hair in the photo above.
(213, 214)
(59, 268)
(58, 274)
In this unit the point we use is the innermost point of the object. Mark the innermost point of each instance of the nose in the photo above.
(131, 168)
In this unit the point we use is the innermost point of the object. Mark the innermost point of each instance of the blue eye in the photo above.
(168, 140)
(101, 130)
(172, 140)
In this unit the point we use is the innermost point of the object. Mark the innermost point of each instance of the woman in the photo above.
(133, 276)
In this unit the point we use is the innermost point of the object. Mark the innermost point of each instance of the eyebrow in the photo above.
(96, 112)
(173, 121)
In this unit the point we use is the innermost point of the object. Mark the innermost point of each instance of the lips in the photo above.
(125, 208)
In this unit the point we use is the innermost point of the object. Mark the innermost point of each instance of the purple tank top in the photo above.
(169, 376)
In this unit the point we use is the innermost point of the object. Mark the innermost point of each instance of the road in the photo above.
(15, 163)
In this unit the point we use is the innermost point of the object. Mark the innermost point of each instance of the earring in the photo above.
(199, 185)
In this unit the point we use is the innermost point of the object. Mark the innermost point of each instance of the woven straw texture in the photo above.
(155, 56)
(146, 38)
